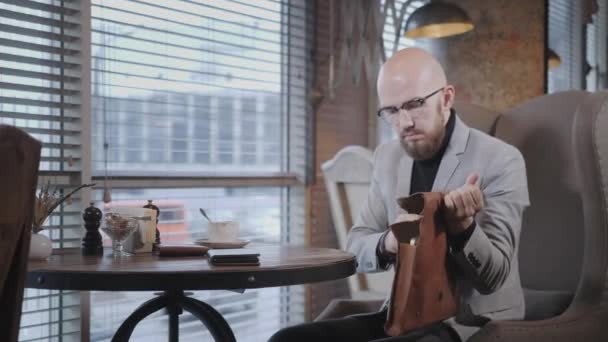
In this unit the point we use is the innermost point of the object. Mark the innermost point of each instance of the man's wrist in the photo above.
(458, 241)
(385, 258)
(457, 228)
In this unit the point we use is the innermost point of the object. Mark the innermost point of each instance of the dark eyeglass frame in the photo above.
(408, 105)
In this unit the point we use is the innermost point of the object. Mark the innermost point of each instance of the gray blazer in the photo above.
(489, 280)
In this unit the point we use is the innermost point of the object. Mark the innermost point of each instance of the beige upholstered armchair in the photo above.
(563, 255)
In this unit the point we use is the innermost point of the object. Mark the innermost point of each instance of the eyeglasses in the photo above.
(390, 113)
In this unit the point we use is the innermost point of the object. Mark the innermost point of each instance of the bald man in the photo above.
(485, 186)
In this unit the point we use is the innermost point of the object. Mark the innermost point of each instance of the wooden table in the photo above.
(67, 269)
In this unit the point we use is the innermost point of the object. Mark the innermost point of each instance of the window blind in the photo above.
(595, 49)
(40, 92)
(200, 90)
(566, 39)
(394, 8)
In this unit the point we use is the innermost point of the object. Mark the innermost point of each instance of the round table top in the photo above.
(67, 269)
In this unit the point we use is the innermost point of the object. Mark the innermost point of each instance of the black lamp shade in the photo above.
(436, 20)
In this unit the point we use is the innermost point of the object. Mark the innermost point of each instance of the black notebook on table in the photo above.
(234, 257)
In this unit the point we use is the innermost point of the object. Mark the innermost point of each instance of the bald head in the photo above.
(410, 72)
(416, 100)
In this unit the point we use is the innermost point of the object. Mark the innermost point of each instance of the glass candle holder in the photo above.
(118, 228)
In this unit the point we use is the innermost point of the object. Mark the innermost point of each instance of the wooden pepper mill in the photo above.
(91, 242)
(157, 240)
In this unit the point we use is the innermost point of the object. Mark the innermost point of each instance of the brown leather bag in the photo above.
(424, 289)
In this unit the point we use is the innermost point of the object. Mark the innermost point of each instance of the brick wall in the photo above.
(501, 62)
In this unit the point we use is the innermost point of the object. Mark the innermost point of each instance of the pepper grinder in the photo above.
(91, 242)
(157, 240)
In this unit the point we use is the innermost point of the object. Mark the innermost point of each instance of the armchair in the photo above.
(19, 157)
(563, 254)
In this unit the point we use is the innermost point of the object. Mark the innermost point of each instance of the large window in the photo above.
(566, 39)
(595, 51)
(577, 35)
(194, 104)
(193, 82)
(197, 92)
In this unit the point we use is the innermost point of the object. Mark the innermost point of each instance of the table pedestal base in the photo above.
(176, 302)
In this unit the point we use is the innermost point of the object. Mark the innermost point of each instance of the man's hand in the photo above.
(462, 204)
(390, 243)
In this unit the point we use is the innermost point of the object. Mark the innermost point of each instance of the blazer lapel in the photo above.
(404, 176)
(451, 156)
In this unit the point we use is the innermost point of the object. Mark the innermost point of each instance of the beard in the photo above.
(427, 147)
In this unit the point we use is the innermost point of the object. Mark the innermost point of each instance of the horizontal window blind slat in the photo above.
(60, 146)
(167, 66)
(155, 100)
(53, 337)
(36, 103)
(41, 6)
(38, 47)
(207, 6)
(217, 54)
(35, 89)
(164, 83)
(263, 77)
(56, 132)
(36, 19)
(205, 30)
(162, 39)
(46, 310)
(69, 312)
(56, 37)
(216, 19)
(38, 61)
(174, 63)
(48, 294)
(38, 75)
(38, 117)
(154, 83)
(56, 321)
(225, 45)
(59, 159)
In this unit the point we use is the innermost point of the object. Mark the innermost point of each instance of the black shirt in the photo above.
(424, 171)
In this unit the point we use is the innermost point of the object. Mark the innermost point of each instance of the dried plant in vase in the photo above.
(48, 200)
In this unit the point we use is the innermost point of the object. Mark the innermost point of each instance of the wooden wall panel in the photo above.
(340, 121)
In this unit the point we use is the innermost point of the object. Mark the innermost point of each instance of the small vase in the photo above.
(40, 247)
